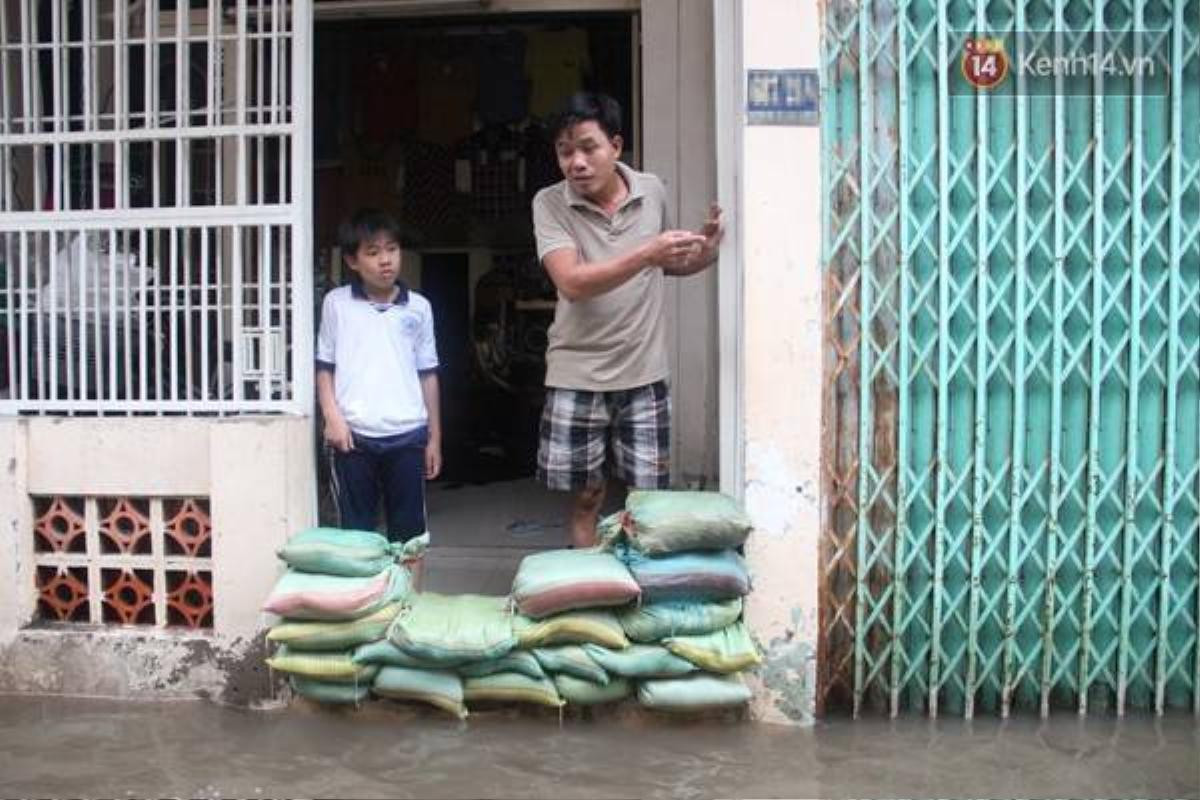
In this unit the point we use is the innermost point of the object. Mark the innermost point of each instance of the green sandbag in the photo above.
(331, 551)
(454, 629)
(308, 596)
(654, 622)
(384, 653)
(512, 687)
(598, 626)
(658, 522)
(516, 661)
(728, 650)
(328, 691)
(335, 667)
(640, 661)
(439, 688)
(307, 635)
(694, 692)
(576, 692)
(570, 659)
(562, 580)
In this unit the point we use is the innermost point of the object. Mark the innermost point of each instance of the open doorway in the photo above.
(441, 122)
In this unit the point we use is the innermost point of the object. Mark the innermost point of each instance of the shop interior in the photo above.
(442, 123)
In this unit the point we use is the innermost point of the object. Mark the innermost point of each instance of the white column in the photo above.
(777, 461)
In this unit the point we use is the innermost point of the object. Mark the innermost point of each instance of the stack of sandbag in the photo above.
(459, 651)
(446, 650)
(341, 589)
(654, 611)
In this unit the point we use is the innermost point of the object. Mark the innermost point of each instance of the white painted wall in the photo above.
(780, 339)
(258, 475)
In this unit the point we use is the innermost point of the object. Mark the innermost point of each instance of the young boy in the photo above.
(377, 384)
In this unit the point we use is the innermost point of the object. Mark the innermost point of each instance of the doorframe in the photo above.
(728, 106)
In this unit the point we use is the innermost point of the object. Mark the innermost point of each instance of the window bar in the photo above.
(143, 361)
(16, 307)
(260, 62)
(60, 311)
(183, 91)
(181, 105)
(219, 242)
(32, 111)
(97, 349)
(6, 119)
(120, 105)
(56, 173)
(187, 286)
(51, 314)
(265, 327)
(210, 83)
(113, 251)
(23, 246)
(173, 306)
(204, 312)
(237, 287)
(91, 98)
(81, 324)
(275, 78)
(242, 168)
(159, 336)
(153, 99)
(265, 311)
(127, 312)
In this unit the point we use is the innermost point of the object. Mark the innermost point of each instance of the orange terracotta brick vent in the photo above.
(141, 561)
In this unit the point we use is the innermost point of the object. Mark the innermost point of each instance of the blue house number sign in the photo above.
(782, 96)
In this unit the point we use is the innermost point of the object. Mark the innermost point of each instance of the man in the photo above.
(605, 237)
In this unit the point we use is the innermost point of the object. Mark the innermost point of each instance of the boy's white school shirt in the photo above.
(376, 352)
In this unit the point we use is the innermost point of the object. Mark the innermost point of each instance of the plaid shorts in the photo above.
(588, 436)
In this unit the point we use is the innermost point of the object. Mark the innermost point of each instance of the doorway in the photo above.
(442, 123)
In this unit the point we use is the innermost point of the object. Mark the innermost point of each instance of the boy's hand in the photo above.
(337, 434)
(433, 460)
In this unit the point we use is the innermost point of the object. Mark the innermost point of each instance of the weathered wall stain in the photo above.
(103, 663)
(788, 671)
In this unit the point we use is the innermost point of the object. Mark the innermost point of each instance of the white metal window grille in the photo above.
(124, 560)
(154, 207)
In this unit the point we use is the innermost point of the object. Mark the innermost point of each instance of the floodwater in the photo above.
(80, 747)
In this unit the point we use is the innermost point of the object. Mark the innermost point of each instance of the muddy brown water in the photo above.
(84, 747)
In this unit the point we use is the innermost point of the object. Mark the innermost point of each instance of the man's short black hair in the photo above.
(365, 225)
(588, 107)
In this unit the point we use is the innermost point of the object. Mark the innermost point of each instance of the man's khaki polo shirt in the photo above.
(616, 340)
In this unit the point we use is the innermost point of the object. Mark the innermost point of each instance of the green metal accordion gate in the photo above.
(1012, 385)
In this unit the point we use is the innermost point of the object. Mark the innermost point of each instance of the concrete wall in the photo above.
(678, 128)
(780, 324)
(258, 475)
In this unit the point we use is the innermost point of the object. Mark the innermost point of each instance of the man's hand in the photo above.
(673, 249)
(713, 229)
(433, 459)
(337, 434)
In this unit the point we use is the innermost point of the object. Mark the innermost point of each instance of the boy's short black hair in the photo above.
(366, 224)
(587, 107)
